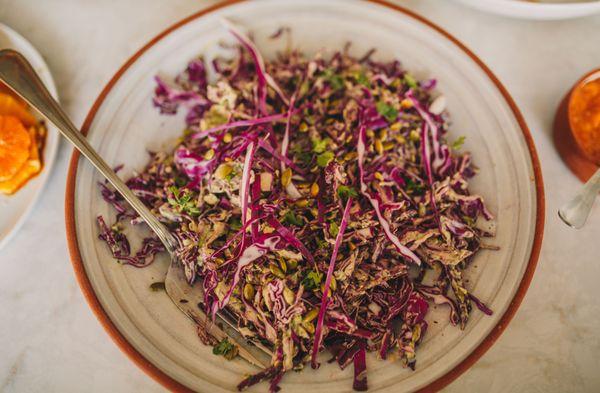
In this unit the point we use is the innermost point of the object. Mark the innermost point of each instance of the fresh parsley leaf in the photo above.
(319, 145)
(183, 201)
(362, 79)
(335, 81)
(225, 348)
(345, 192)
(410, 81)
(457, 144)
(291, 219)
(312, 280)
(334, 229)
(389, 112)
(324, 159)
(411, 186)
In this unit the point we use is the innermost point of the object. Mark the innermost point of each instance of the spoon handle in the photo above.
(575, 212)
(17, 73)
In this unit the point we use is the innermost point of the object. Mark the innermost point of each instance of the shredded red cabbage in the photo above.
(326, 221)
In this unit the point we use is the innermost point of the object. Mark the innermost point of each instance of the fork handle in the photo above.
(19, 75)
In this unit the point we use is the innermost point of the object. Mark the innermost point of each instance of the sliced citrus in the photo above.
(15, 143)
(32, 167)
(10, 106)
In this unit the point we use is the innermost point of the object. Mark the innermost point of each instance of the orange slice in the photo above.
(10, 106)
(15, 143)
(32, 167)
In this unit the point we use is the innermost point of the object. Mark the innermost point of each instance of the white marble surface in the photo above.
(51, 342)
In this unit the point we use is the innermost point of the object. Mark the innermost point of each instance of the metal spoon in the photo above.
(575, 212)
(17, 73)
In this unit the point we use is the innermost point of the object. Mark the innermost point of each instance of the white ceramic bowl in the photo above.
(14, 209)
(123, 125)
(542, 10)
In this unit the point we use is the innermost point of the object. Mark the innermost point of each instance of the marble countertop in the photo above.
(51, 341)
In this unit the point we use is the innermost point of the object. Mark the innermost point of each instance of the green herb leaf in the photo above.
(457, 144)
(345, 192)
(324, 159)
(336, 81)
(389, 112)
(413, 187)
(312, 280)
(290, 218)
(362, 78)
(410, 81)
(225, 348)
(320, 145)
(334, 229)
(183, 201)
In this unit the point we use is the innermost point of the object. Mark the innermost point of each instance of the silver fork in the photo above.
(17, 73)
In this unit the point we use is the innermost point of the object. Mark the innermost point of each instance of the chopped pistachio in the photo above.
(211, 199)
(266, 179)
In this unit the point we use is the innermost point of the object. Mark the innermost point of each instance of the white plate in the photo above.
(14, 209)
(542, 10)
(123, 125)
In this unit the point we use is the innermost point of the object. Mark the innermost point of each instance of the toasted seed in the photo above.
(312, 314)
(350, 155)
(303, 127)
(314, 190)
(388, 146)
(248, 291)
(283, 265)
(406, 103)
(309, 327)
(288, 295)
(227, 137)
(370, 133)
(422, 210)
(396, 126)
(286, 177)
(379, 176)
(276, 271)
(378, 146)
(301, 203)
(209, 154)
(223, 171)
(292, 264)
(414, 136)
(400, 139)
(383, 134)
